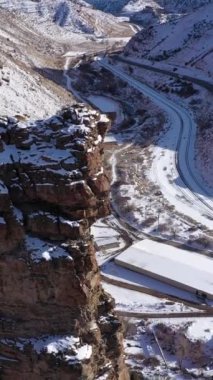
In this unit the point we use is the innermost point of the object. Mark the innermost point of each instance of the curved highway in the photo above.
(173, 165)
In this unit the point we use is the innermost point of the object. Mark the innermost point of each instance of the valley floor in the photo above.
(168, 330)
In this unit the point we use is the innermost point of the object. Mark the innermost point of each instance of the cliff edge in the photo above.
(56, 322)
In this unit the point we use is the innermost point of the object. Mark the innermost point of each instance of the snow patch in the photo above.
(41, 250)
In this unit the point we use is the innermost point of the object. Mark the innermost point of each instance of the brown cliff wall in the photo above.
(55, 320)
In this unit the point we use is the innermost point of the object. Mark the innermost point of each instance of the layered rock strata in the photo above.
(56, 322)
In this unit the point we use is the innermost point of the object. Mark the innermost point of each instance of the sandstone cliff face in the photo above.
(55, 320)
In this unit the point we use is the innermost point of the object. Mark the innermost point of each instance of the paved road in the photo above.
(173, 167)
(208, 84)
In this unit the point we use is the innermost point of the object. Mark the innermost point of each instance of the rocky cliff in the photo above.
(55, 320)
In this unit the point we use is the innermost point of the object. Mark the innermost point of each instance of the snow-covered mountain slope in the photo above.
(22, 49)
(34, 37)
(132, 6)
(184, 42)
(146, 12)
(70, 16)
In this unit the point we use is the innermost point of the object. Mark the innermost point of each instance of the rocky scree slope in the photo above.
(55, 321)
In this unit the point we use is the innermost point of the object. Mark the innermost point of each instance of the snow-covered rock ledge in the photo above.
(52, 188)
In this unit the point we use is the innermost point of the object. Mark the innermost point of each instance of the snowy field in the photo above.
(132, 301)
(107, 105)
(146, 283)
(183, 269)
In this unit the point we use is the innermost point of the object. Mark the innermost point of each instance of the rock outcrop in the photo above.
(179, 340)
(56, 322)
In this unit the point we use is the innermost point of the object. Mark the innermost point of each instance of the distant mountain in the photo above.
(108, 5)
(96, 16)
(71, 15)
(132, 6)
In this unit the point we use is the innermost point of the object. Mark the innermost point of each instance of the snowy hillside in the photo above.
(132, 6)
(72, 16)
(184, 42)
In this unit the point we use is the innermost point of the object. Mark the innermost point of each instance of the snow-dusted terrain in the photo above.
(173, 265)
(182, 48)
(173, 167)
(176, 349)
(185, 42)
(135, 6)
(130, 300)
(34, 40)
(59, 18)
(38, 40)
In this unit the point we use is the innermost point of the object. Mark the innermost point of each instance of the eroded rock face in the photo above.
(55, 320)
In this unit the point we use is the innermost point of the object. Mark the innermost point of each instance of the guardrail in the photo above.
(132, 314)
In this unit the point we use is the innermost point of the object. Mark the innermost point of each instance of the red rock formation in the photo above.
(55, 320)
